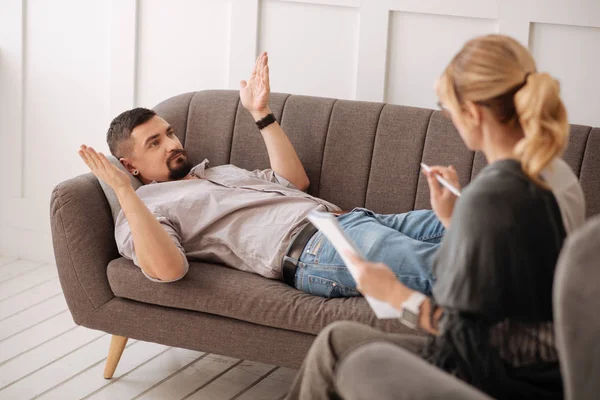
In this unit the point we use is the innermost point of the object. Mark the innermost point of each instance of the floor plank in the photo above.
(273, 387)
(25, 300)
(14, 267)
(35, 336)
(144, 377)
(191, 378)
(7, 259)
(51, 351)
(44, 355)
(92, 379)
(233, 381)
(59, 371)
(27, 280)
(32, 316)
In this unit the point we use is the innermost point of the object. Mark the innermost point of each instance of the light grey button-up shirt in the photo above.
(243, 219)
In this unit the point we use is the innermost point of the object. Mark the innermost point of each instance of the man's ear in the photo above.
(127, 164)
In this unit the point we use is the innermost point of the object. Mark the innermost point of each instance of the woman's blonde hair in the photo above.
(497, 72)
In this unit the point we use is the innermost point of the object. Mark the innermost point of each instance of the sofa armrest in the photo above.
(84, 244)
(382, 370)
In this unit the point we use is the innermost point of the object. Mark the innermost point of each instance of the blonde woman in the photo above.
(489, 321)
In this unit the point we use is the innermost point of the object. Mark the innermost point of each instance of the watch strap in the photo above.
(266, 121)
(411, 310)
(413, 303)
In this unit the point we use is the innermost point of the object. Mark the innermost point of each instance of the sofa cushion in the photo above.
(227, 292)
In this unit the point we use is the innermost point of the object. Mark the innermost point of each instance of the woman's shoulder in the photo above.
(502, 183)
(502, 196)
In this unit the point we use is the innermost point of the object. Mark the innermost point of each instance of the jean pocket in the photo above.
(314, 244)
(324, 287)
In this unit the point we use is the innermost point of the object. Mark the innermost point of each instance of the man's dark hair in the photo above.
(121, 127)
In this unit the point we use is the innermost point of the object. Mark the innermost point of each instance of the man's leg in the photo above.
(322, 272)
(421, 225)
(315, 380)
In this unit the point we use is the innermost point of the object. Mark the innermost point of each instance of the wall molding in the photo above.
(12, 101)
(373, 38)
(336, 3)
(243, 40)
(123, 55)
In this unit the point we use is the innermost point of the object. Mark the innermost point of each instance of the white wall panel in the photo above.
(123, 42)
(312, 48)
(11, 99)
(67, 67)
(65, 89)
(572, 55)
(182, 47)
(242, 40)
(487, 9)
(417, 57)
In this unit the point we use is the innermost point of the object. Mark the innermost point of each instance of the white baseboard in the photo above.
(26, 244)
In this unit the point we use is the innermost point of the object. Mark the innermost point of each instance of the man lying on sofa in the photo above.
(251, 220)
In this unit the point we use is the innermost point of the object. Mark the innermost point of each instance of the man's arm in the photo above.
(254, 95)
(282, 155)
(156, 252)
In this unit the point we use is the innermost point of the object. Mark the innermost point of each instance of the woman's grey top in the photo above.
(494, 273)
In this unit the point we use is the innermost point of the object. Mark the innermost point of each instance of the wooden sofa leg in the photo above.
(117, 345)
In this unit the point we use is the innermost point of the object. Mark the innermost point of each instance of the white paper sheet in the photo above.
(328, 224)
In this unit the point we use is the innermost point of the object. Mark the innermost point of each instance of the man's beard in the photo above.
(179, 166)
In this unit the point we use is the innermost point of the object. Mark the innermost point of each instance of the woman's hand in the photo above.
(103, 169)
(442, 199)
(255, 93)
(376, 279)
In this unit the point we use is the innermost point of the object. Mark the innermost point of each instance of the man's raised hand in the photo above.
(255, 93)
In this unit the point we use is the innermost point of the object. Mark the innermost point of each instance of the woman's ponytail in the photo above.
(543, 118)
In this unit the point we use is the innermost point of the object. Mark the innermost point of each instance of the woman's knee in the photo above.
(370, 371)
(337, 329)
(341, 336)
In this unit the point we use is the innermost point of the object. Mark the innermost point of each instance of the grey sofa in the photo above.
(355, 153)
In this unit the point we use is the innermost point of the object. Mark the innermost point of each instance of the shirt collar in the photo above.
(198, 170)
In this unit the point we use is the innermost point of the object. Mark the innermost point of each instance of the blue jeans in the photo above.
(405, 242)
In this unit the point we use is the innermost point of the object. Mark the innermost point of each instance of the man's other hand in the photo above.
(103, 169)
(255, 92)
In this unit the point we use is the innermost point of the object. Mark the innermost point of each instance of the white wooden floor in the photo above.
(44, 355)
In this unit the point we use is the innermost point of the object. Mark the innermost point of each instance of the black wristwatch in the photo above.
(266, 121)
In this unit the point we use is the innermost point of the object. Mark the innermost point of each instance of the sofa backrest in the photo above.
(356, 154)
(576, 301)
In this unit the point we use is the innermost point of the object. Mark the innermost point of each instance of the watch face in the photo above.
(410, 317)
